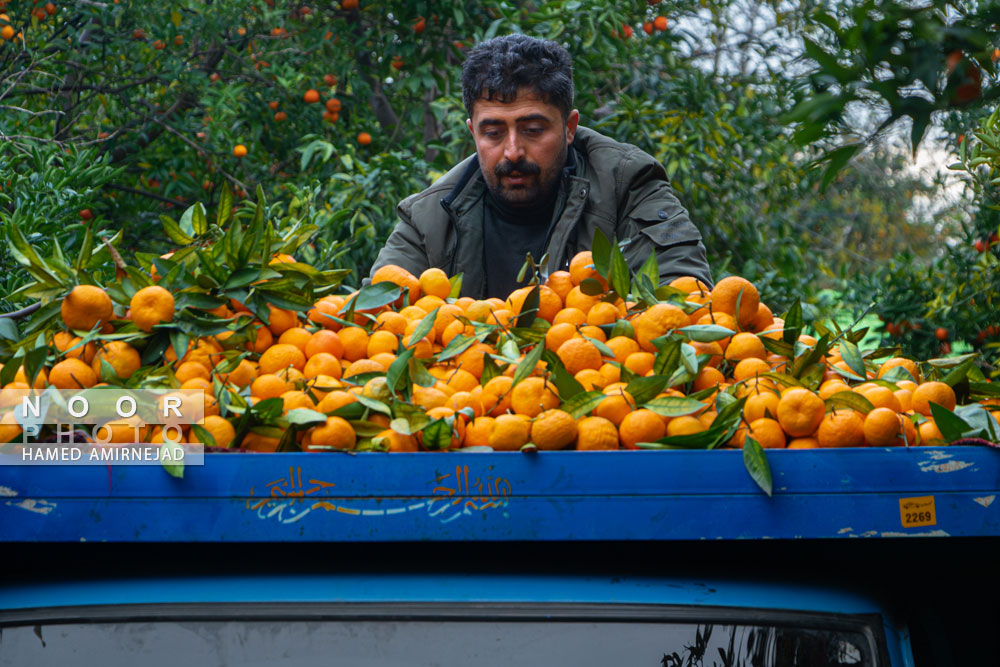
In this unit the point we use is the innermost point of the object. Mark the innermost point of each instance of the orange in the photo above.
(462, 380)
(657, 321)
(932, 392)
(336, 433)
(800, 412)
(268, 385)
(726, 293)
(191, 369)
(260, 339)
(641, 426)
(553, 429)
(573, 316)
(532, 396)
(686, 425)
(763, 320)
(123, 358)
(72, 373)
(768, 433)
(905, 398)
(745, 346)
(392, 322)
(561, 283)
(296, 398)
(803, 443)
(884, 427)
(362, 366)
(364, 138)
(616, 405)
(323, 313)
(297, 336)
(689, 284)
(311, 96)
(324, 340)
(909, 365)
(355, 342)
(622, 346)
(748, 367)
(435, 282)
(220, 429)
(461, 400)
(611, 373)
(496, 395)
(382, 341)
(477, 434)
(86, 306)
(841, 428)
(281, 356)
(322, 363)
(396, 442)
(596, 433)
(401, 277)
(581, 267)
(558, 334)
(641, 363)
(602, 313)
(335, 400)
(881, 397)
(70, 346)
(764, 404)
(578, 354)
(831, 387)
(510, 433)
(281, 320)
(713, 350)
(40, 379)
(244, 373)
(583, 302)
(151, 306)
(930, 434)
(473, 359)
(239, 150)
(428, 397)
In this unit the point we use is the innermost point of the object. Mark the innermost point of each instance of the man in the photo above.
(538, 183)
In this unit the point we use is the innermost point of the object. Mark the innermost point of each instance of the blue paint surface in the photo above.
(627, 495)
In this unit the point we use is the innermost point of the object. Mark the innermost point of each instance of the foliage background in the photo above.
(788, 129)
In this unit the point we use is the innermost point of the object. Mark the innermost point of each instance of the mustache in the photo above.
(522, 167)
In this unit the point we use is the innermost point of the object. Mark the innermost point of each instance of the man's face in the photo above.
(522, 146)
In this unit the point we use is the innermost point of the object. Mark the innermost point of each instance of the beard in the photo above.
(538, 185)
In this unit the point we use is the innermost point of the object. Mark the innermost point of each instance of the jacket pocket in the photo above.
(664, 224)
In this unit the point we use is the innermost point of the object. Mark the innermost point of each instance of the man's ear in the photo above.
(571, 124)
(468, 124)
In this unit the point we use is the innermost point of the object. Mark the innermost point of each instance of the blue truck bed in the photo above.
(546, 496)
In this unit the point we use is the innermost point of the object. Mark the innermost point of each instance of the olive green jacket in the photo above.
(617, 188)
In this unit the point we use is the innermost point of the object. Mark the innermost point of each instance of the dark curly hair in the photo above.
(497, 68)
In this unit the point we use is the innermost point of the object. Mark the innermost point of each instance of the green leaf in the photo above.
(420, 375)
(958, 373)
(668, 358)
(175, 467)
(601, 253)
(793, 324)
(706, 333)
(436, 435)
(852, 356)
(779, 347)
(952, 426)
(835, 160)
(756, 464)
(8, 329)
(306, 417)
(225, 207)
(567, 386)
(644, 389)
(372, 404)
(850, 400)
(582, 403)
(86, 250)
(527, 365)
(398, 374)
(530, 308)
(620, 279)
(241, 278)
(650, 269)
(376, 295)
(199, 219)
(490, 370)
(424, 328)
(674, 406)
(456, 285)
(591, 287)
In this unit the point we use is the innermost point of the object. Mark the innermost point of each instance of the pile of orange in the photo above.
(463, 383)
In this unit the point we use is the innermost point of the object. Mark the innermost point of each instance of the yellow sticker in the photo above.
(915, 512)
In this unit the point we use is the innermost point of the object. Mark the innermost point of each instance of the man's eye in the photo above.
(533, 130)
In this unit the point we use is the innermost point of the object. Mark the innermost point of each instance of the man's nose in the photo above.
(513, 149)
